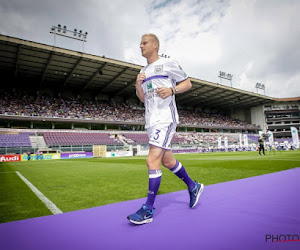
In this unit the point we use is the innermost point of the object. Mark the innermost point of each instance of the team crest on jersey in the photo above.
(158, 69)
(149, 85)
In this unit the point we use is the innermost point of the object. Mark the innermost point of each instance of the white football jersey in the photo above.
(161, 73)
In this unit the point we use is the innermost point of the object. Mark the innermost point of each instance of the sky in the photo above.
(256, 41)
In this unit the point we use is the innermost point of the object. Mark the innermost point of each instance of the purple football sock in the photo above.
(179, 170)
(154, 182)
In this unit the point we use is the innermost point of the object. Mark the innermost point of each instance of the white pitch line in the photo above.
(49, 204)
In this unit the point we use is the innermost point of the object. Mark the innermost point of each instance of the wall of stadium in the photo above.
(238, 114)
(281, 115)
(258, 116)
(242, 114)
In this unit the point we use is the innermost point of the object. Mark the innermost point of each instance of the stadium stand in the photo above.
(17, 104)
(15, 140)
(136, 138)
(26, 105)
(100, 106)
(201, 118)
(197, 138)
(132, 138)
(75, 138)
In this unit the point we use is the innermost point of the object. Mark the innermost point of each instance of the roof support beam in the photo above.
(182, 95)
(241, 105)
(190, 99)
(71, 73)
(93, 77)
(18, 60)
(114, 79)
(221, 99)
(47, 66)
(195, 96)
(123, 89)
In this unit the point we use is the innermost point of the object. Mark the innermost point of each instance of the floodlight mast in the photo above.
(225, 76)
(73, 34)
(260, 86)
(163, 55)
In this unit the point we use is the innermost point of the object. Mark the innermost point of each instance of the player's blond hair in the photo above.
(154, 37)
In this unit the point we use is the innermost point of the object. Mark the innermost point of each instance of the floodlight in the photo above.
(74, 34)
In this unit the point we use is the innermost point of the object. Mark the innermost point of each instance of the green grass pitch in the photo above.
(85, 183)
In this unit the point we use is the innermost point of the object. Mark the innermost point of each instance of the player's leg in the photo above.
(195, 188)
(177, 168)
(158, 139)
(153, 163)
(145, 213)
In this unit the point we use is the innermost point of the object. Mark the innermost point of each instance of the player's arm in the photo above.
(138, 86)
(183, 86)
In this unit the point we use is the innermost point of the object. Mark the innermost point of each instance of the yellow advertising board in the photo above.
(44, 157)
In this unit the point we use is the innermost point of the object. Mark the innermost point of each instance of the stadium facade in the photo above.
(58, 72)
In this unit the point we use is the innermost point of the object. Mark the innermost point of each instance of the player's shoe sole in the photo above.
(140, 222)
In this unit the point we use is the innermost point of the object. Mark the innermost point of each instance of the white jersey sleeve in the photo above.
(176, 71)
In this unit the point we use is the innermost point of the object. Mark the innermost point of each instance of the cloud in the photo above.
(263, 33)
(112, 26)
(254, 40)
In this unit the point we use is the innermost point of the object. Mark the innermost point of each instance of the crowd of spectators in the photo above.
(68, 108)
(43, 106)
(198, 138)
(206, 119)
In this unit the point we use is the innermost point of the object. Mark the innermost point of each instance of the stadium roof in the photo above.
(67, 69)
(291, 99)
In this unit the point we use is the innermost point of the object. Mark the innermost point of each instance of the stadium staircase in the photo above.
(38, 142)
(122, 139)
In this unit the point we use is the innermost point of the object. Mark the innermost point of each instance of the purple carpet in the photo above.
(244, 214)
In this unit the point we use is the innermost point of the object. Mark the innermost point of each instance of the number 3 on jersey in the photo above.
(156, 134)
